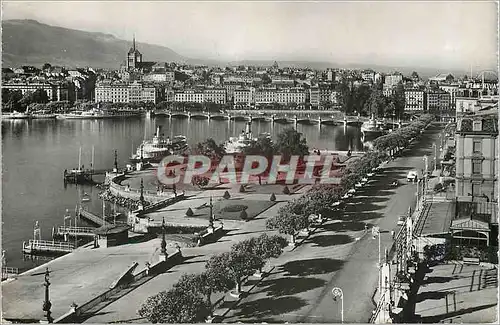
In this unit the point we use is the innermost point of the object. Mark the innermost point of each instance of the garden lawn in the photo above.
(231, 209)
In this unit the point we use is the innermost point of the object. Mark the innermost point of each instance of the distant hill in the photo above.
(28, 42)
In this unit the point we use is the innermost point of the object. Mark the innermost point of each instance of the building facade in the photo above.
(55, 91)
(438, 101)
(477, 158)
(189, 95)
(122, 92)
(215, 95)
(244, 96)
(415, 100)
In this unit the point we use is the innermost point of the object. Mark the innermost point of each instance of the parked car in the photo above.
(412, 176)
(401, 220)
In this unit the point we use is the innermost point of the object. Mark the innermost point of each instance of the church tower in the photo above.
(133, 57)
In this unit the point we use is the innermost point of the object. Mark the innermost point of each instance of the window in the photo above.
(476, 126)
(476, 146)
(476, 167)
(476, 189)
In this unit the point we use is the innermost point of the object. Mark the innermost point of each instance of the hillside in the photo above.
(28, 42)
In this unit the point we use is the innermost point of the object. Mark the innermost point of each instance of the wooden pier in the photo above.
(92, 217)
(74, 231)
(45, 246)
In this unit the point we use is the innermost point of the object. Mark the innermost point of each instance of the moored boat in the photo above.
(15, 115)
(156, 149)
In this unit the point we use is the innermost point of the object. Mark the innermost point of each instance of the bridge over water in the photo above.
(272, 116)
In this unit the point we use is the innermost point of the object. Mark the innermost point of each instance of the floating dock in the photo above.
(45, 246)
(9, 272)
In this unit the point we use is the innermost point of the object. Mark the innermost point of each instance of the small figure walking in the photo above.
(393, 233)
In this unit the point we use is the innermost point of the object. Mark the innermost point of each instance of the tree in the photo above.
(236, 264)
(287, 222)
(174, 306)
(204, 284)
(210, 149)
(398, 98)
(11, 99)
(290, 142)
(375, 104)
(262, 146)
(46, 66)
(268, 246)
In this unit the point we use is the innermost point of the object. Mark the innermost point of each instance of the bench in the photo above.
(471, 260)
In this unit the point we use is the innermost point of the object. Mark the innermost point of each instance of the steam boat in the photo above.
(236, 145)
(155, 150)
(373, 128)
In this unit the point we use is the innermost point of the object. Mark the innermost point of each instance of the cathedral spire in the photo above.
(134, 43)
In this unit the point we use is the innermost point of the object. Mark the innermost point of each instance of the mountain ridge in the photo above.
(30, 42)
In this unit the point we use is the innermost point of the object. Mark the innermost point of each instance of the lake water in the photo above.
(36, 152)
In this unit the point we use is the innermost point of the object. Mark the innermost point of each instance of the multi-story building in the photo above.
(453, 91)
(167, 76)
(215, 95)
(330, 75)
(415, 100)
(438, 101)
(265, 96)
(244, 96)
(465, 105)
(392, 80)
(189, 95)
(387, 90)
(231, 87)
(114, 92)
(477, 157)
(291, 95)
(122, 92)
(325, 93)
(314, 96)
(56, 91)
(368, 76)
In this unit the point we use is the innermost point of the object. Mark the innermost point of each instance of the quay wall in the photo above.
(134, 194)
(77, 313)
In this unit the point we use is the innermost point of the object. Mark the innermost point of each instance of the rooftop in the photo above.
(436, 219)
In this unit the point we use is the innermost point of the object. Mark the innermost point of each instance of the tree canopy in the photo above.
(291, 143)
(210, 149)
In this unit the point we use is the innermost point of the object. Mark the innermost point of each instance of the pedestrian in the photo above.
(393, 234)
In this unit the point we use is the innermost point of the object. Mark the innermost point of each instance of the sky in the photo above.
(428, 34)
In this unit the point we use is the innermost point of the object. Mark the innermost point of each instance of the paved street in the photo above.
(379, 204)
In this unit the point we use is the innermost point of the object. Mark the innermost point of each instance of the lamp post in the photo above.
(376, 232)
(210, 217)
(163, 241)
(338, 293)
(435, 155)
(46, 304)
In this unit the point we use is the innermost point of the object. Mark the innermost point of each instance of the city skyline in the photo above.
(447, 35)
